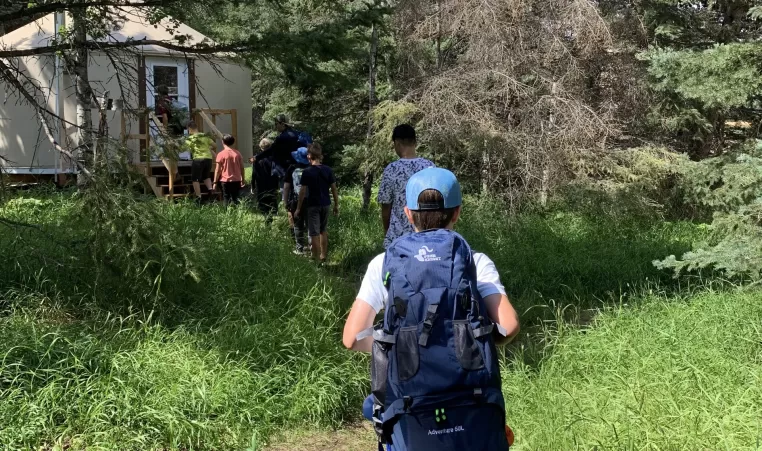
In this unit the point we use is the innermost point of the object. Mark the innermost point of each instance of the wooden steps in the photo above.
(158, 180)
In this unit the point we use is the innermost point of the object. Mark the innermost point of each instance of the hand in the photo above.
(335, 210)
(251, 160)
(291, 216)
(214, 187)
(243, 183)
(297, 214)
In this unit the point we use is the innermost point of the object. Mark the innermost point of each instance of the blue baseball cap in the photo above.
(300, 155)
(439, 179)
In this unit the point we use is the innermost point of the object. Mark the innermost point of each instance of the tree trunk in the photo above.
(485, 176)
(439, 36)
(84, 93)
(544, 187)
(367, 182)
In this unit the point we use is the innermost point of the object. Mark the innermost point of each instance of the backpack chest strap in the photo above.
(428, 323)
(378, 335)
(484, 330)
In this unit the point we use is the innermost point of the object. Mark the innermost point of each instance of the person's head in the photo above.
(404, 140)
(281, 122)
(433, 199)
(300, 155)
(192, 127)
(163, 90)
(265, 144)
(315, 153)
(228, 140)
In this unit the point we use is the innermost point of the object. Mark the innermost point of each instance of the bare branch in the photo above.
(199, 49)
(42, 114)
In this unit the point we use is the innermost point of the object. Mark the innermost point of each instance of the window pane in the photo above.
(167, 76)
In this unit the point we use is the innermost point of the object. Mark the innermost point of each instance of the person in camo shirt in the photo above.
(391, 193)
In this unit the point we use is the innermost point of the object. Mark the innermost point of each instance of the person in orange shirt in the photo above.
(229, 171)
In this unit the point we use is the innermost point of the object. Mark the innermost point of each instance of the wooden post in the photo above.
(170, 164)
(171, 172)
(199, 122)
(149, 171)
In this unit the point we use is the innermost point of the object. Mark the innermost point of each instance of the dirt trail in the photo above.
(354, 437)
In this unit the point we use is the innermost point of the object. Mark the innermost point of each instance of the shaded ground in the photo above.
(352, 438)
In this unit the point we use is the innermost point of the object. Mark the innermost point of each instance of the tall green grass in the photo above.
(215, 364)
(668, 374)
(253, 347)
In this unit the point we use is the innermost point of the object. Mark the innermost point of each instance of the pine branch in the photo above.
(43, 9)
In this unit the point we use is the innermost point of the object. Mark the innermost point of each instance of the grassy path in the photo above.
(250, 353)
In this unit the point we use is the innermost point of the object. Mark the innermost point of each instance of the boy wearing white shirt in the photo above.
(433, 202)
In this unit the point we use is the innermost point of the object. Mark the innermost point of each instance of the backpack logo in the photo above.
(426, 254)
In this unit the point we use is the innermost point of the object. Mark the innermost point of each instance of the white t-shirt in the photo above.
(374, 292)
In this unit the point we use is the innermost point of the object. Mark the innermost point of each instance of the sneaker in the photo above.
(297, 252)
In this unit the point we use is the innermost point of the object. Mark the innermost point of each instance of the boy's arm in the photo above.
(499, 308)
(360, 318)
(217, 171)
(385, 198)
(286, 191)
(335, 198)
(370, 301)
(240, 168)
(386, 216)
(501, 311)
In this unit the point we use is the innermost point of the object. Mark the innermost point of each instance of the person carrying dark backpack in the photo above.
(435, 375)
(288, 141)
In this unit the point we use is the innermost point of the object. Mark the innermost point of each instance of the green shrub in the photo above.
(250, 347)
(731, 187)
(638, 182)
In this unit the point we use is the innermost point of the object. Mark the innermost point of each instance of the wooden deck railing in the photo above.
(204, 118)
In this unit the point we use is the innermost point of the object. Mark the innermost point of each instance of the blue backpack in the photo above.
(304, 138)
(435, 375)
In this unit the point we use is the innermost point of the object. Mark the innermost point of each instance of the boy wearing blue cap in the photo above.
(292, 185)
(444, 310)
(428, 208)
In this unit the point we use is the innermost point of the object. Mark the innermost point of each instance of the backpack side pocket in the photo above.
(467, 349)
(379, 365)
(408, 358)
